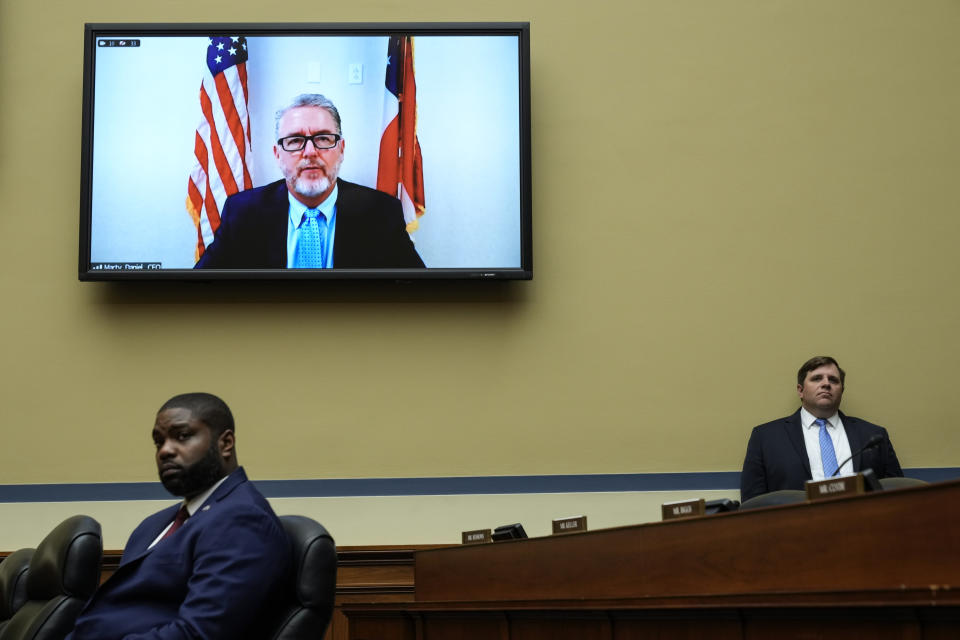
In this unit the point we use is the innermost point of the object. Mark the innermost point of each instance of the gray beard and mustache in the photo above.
(313, 188)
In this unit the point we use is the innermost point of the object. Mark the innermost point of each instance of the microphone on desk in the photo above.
(872, 442)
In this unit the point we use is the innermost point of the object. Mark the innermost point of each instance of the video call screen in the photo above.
(178, 121)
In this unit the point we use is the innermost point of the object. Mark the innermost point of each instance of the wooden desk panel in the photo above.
(891, 569)
(893, 541)
(381, 574)
(687, 624)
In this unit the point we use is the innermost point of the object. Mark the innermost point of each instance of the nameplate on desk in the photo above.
(478, 536)
(572, 524)
(683, 509)
(833, 487)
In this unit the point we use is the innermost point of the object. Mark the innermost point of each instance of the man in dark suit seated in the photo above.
(311, 219)
(808, 445)
(203, 568)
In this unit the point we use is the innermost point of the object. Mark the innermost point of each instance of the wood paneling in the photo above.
(371, 574)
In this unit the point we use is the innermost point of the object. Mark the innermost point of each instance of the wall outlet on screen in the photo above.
(355, 73)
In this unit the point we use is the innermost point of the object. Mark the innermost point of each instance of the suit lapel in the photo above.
(232, 482)
(140, 547)
(795, 434)
(278, 228)
(853, 438)
(341, 240)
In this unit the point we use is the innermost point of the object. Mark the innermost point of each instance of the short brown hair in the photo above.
(816, 363)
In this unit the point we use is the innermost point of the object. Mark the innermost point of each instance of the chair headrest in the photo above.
(784, 496)
(314, 555)
(13, 582)
(67, 561)
(900, 483)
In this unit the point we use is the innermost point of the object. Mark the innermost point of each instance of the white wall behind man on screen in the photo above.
(468, 131)
(145, 116)
(469, 134)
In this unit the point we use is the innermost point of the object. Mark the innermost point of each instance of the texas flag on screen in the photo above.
(401, 167)
(222, 140)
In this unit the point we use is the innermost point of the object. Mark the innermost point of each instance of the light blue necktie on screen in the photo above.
(827, 455)
(311, 244)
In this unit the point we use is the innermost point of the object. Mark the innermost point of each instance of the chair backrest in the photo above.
(13, 583)
(64, 572)
(308, 605)
(774, 498)
(900, 483)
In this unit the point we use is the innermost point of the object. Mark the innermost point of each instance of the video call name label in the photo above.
(125, 266)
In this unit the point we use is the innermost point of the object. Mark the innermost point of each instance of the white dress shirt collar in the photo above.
(297, 208)
(197, 501)
(807, 419)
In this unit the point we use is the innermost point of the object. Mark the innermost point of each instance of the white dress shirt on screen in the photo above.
(329, 210)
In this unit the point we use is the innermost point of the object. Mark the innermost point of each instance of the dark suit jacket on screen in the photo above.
(370, 232)
(209, 579)
(777, 456)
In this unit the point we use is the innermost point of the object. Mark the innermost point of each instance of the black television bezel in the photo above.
(93, 31)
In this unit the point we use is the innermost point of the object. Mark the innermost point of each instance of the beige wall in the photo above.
(763, 181)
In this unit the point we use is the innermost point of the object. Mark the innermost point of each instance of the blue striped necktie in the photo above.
(828, 457)
(310, 252)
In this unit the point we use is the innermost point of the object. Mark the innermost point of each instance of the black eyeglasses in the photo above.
(320, 141)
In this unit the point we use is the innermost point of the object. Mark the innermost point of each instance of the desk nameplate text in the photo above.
(833, 487)
(683, 509)
(477, 536)
(573, 524)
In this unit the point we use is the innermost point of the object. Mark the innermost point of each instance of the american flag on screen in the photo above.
(401, 166)
(222, 141)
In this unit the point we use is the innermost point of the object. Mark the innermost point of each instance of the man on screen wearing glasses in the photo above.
(311, 219)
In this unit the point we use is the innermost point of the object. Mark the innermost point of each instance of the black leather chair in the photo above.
(13, 583)
(774, 498)
(64, 572)
(305, 610)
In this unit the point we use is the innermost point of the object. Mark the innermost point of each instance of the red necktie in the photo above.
(182, 515)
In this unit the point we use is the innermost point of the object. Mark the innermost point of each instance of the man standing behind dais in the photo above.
(813, 441)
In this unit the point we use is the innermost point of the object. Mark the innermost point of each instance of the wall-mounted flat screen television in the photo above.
(306, 151)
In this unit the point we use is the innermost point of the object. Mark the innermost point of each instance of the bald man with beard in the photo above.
(207, 566)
